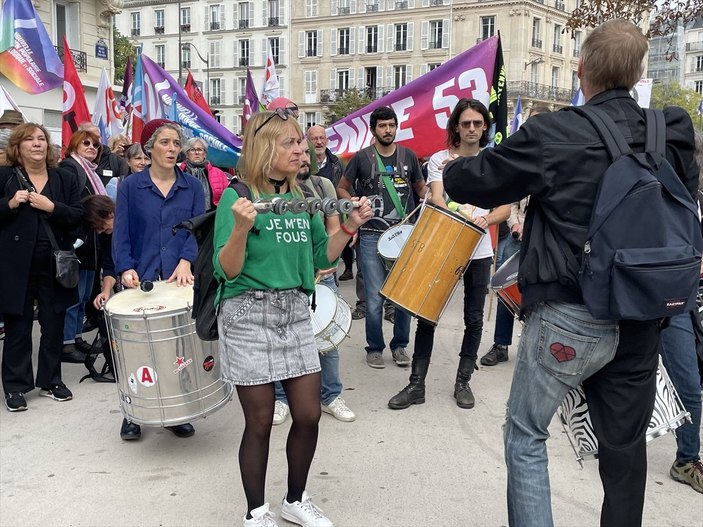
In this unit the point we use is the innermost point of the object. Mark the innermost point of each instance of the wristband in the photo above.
(347, 231)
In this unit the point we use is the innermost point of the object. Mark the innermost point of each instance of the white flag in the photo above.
(107, 114)
(271, 86)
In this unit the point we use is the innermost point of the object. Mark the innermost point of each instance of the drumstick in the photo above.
(407, 218)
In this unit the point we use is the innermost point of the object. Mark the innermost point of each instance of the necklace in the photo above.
(277, 184)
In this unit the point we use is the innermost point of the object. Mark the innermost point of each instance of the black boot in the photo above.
(413, 393)
(462, 391)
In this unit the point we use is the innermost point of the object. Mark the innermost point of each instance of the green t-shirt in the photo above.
(282, 251)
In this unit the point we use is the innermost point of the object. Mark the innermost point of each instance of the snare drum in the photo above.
(391, 242)
(504, 284)
(166, 375)
(331, 319)
(669, 413)
(432, 262)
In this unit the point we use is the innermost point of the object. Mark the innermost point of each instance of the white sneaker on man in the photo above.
(304, 512)
(280, 412)
(339, 409)
(261, 517)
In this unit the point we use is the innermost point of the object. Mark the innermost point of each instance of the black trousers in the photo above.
(476, 279)
(17, 373)
(620, 400)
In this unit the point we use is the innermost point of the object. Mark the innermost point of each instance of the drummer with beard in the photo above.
(387, 174)
(149, 204)
(467, 134)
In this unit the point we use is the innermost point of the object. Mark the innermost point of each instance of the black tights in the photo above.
(257, 402)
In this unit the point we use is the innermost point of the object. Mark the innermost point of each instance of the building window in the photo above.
(310, 8)
(273, 13)
(399, 76)
(344, 7)
(577, 43)
(215, 91)
(401, 37)
(534, 71)
(574, 81)
(436, 32)
(215, 17)
(344, 38)
(310, 87)
(185, 19)
(371, 6)
(342, 81)
(215, 53)
(242, 89)
(555, 77)
(310, 119)
(159, 21)
(557, 47)
(698, 86)
(243, 15)
(275, 46)
(160, 55)
(244, 52)
(536, 33)
(372, 39)
(311, 43)
(433, 66)
(699, 63)
(185, 57)
(488, 27)
(136, 24)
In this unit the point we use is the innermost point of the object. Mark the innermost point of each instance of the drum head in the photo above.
(391, 242)
(325, 308)
(506, 275)
(164, 298)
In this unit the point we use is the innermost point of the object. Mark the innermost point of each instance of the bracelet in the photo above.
(347, 231)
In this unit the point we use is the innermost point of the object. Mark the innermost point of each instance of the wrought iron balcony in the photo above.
(371, 92)
(273, 21)
(401, 5)
(401, 46)
(343, 51)
(559, 4)
(371, 48)
(244, 61)
(558, 48)
(371, 8)
(214, 100)
(185, 28)
(536, 43)
(214, 26)
(542, 92)
(158, 30)
(344, 10)
(136, 32)
(244, 24)
(80, 58)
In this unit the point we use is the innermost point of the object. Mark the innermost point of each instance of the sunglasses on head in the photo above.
(88, 142)
(282, 113)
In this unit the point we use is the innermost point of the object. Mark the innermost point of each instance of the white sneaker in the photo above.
(339, 409)
(261, 517)
(280, 412)
(304, 512)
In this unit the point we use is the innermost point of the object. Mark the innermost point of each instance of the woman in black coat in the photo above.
(34, 196)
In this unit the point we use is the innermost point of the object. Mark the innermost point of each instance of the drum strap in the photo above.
(390, 187)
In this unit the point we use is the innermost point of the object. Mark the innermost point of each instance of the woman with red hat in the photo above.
(149, 204)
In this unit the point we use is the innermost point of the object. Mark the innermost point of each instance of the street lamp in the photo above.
(538, 60)
(207, 66)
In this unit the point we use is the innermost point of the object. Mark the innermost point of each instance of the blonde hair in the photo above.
(612, 56)
(259, 150)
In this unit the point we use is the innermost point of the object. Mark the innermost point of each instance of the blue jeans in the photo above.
(503, 333)
(678, 345)
(374, 275)
(330, 383)
(73, 321)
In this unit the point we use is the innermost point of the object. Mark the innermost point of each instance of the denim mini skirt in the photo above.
(266, 336)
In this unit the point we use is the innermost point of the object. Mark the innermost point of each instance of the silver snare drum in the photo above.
(331, 319)
(166, 375)
(669, 413)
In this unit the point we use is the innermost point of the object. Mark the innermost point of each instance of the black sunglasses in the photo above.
(88, 142)
(282, 113)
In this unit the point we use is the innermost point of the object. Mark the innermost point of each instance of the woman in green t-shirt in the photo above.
(265, 264)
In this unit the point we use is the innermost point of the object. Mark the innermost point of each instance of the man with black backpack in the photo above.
(561, 160)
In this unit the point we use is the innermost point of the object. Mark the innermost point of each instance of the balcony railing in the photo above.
(343, 51)
(244, 24)
(401, 46)
(558, 48)
(540, 91)
(373, 93)
(273, 21)
(435, 44)
(158, 30)
(214, 26)
(401, 5)
(371, 48)
(244, 61)
(214, 100)
(436, 2)
(185, 28)
(136, 32)
(185, 64)
(80, 58)
(694, 46)
(371, 8)
(559, 4)
(242, 99)
(536, 43)
(344, 10)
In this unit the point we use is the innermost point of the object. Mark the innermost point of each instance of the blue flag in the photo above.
(578, 99)
(517, 119)
(700, 108)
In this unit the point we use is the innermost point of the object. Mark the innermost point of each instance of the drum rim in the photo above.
(457, 216)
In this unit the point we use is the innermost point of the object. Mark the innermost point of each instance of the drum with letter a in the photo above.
(166, 375)
(504, 284)
(391, 242)
(431, 263)
(331, 319)
(668, 414)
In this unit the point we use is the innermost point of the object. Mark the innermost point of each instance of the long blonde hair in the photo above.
(259, 149)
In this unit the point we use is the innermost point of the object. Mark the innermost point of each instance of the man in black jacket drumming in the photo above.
(559, 159)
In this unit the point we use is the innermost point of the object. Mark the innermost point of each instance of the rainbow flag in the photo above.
(27, 55)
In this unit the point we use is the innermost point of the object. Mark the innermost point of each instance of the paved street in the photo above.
(63, 464)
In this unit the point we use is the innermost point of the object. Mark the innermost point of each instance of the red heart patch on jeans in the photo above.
(562, 353)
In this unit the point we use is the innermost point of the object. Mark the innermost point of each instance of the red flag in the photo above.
(75, 107)
(194, 94)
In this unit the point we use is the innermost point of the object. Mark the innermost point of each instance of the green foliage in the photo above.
(673, 94)
(123, 48)
(346, 104)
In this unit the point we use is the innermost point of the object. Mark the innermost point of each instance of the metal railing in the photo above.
(343, 51)
(214, 26)
(558, 48)
(158, 30)
(244, 61)
(80, 58)
(136, 31)
(371, 92)
(559, 4)
(273, 21)
(371, 48)
(401, 46)
(214, 100)
(244, 24)
(401, 5)
(536, 43)
(371, 8)
(539, 91)
(185, 28)
(344, 10)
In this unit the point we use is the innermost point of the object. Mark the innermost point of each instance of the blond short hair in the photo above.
(612, 56)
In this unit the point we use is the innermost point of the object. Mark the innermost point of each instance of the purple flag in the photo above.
(251, 100)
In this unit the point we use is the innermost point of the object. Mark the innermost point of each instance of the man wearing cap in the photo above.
(10, 119)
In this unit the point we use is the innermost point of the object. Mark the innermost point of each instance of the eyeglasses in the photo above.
(88, 142)
(197, 150)
(282, 113)
(478, 123)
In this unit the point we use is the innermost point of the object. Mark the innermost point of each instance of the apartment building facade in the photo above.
(87, 26)
(692, 63)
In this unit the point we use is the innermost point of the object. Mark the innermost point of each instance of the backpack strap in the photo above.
(656, 131)
(240, 188)
(608, 131)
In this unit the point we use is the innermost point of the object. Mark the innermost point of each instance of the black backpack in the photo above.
(642, 255)
(205, 285)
